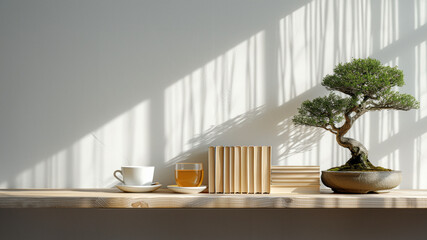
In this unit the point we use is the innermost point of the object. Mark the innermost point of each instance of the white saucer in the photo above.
(138, 189)
(190, 190)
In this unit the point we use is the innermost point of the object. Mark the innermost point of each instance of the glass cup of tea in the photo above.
(189, 174)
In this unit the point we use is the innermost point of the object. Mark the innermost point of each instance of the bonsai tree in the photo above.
(369, 86)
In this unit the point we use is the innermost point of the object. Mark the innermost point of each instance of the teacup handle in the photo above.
(118, 171)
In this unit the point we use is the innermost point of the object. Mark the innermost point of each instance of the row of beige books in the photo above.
(239, 169)
(295, 179)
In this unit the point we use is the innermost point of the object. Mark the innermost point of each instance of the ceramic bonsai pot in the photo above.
(361, 181)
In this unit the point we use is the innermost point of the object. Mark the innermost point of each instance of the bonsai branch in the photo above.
(382, 107)
(330, 130)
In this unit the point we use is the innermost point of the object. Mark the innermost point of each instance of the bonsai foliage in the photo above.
(369, 86)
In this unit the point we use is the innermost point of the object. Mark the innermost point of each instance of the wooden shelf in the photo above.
(113, 198)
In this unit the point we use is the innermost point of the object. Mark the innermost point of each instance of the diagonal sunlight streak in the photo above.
(418, 181)
(420, 16)
(389, 20)
(90, 161)
(229, 87)
(355, 29)
(223, 99)
(312, 42)
(421, 73)
(136, 51)
(223, 89)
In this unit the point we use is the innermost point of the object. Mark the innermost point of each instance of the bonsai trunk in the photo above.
(359, 154)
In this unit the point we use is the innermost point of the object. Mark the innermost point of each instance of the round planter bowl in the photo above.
(361, 181)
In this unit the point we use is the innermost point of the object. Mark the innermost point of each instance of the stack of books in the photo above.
(295, 179)
(239, 169)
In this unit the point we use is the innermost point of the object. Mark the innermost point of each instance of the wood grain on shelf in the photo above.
(113, 198)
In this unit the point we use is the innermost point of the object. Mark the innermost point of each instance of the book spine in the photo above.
(309, 189)
(275, 175)
(266, 169)
(237, 151)
(296, 180)
(244, 170)
(293, 184)
(250, 169)
(232, 179)
(313, 168)
(257, 169)
(211, 169)
(219, 169)
(294, 171)
(227, 170)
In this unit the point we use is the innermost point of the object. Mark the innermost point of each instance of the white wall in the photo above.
(88, 86)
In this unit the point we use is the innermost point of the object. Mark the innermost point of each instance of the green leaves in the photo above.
(363, 78)
(323, 111)
(394, 100)
(369, 86)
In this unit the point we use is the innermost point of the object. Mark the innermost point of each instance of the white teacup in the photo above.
(136, 175)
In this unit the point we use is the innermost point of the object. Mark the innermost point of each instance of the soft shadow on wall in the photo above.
(243, 80)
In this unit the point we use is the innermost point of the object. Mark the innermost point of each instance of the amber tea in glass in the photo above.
(189, 174)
